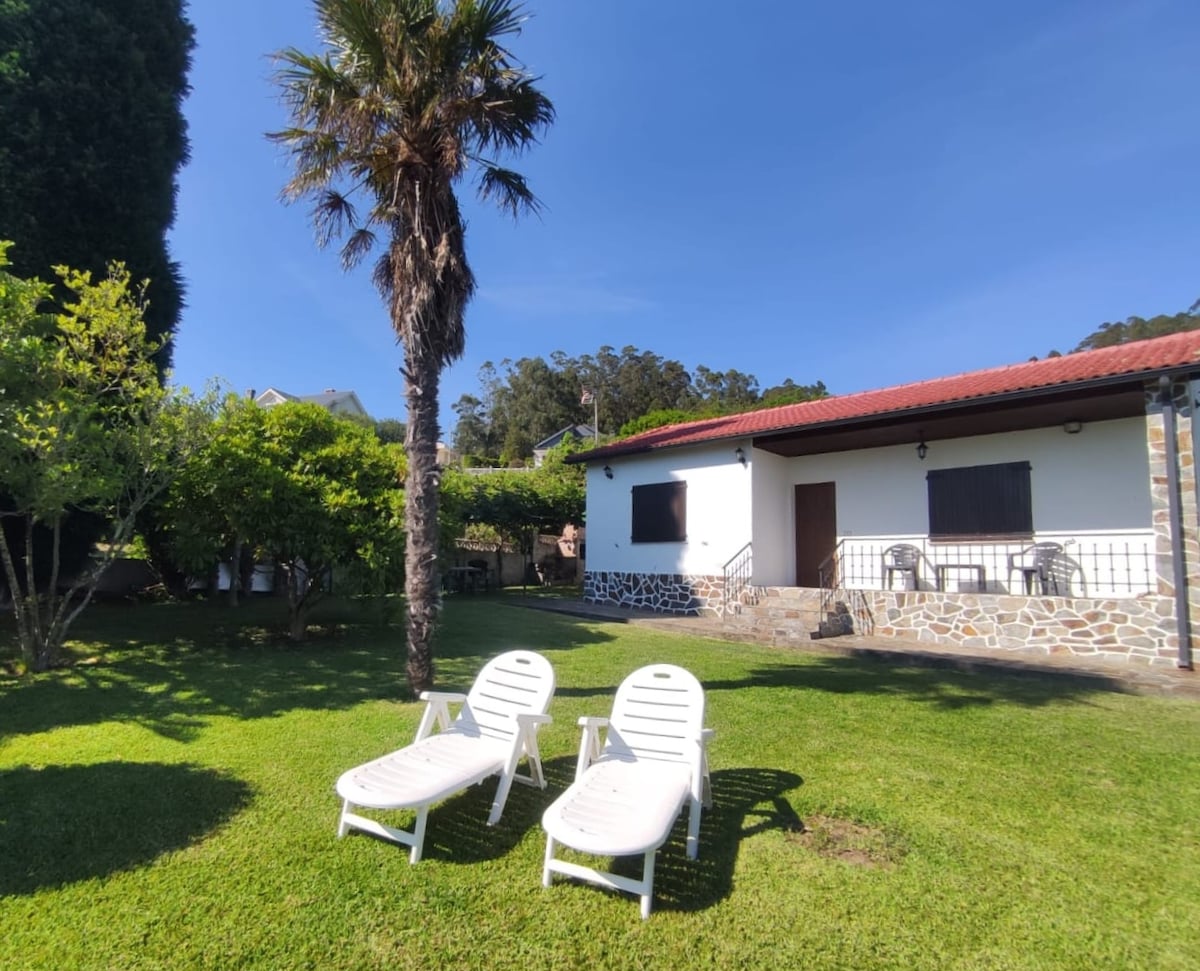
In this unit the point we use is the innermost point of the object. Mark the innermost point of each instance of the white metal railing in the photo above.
(1110, 565)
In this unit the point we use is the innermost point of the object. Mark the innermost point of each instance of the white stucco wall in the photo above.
(1095, 480)
(718, 510)
(774, 516)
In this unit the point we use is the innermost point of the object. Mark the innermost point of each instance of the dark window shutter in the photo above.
(981, 500)
(660, 512)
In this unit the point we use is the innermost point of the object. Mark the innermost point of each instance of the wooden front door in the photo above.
(816, 530)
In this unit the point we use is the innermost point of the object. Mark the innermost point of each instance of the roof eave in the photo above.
(616, 449)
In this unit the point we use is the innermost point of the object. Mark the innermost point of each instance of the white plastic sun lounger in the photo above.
(496, 726)
(628, 793)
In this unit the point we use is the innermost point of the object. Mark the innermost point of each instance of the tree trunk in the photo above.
(235, 573)
(297, 621)
(297, 615)
(421, 588)
(24, 627)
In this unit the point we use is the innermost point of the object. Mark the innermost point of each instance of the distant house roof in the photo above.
(1106, 366)
(340, 402)
(582, 432)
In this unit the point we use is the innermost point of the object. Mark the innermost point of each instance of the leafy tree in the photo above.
(471, 433)
(656, 419)
(1138, 328)
(390, 431)
(84, 425)
(790, 393)
(725, 391)
(214, 505)
(406, 94)
(295, 484)
(534, 401)
(92, 135)
(517, 504)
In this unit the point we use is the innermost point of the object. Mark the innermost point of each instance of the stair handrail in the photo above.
(737, 572)
(829, 578)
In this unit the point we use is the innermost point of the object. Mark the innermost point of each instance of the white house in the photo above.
(338, 402)
(1049, 503)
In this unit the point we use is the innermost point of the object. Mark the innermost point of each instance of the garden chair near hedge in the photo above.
(629, 790)
(495, 728)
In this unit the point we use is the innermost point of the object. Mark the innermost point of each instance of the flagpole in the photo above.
(596, 417)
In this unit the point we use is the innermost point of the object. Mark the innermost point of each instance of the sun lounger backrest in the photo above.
(658, 714)
(516, 683)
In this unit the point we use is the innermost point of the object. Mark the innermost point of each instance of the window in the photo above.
(660, 513)
(981, 500)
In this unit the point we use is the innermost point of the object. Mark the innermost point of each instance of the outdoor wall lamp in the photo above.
(1072, 427)
(741, 455)
(608, 471)
(922, 448)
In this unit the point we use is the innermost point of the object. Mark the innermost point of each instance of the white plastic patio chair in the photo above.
(496, 726)
(628, 792)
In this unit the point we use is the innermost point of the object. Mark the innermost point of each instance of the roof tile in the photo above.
(1139, 357)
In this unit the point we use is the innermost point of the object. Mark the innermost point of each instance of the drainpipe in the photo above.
(1182, 616)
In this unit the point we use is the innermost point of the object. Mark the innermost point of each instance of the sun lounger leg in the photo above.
(648, 883)
(546, 877)
(693, 833)
(343, 826)
(418, 835)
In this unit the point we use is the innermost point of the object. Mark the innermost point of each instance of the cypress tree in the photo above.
(92, 135)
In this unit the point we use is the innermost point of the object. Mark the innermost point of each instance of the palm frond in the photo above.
(382, 274)
(331, 215)
(509, 116)
(353, 27)
(508, 189)
(481, 22)
(357, 246)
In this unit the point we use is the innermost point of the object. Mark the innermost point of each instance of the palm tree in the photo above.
(406, 95)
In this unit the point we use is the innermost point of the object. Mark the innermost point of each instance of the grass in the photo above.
(169, 804)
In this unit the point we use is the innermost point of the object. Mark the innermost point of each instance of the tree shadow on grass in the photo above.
(62, 824)
(172, 668)
(913, 679)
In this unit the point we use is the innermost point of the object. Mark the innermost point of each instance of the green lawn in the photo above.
(170, 805)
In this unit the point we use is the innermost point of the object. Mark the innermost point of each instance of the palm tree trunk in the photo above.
(421, 588)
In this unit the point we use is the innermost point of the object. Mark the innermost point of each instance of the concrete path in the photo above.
(1130, 676)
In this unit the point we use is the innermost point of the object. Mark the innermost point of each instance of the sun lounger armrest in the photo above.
(593, 721)
(451, 697)
(437, 711)
(589, 744)
(534, 719)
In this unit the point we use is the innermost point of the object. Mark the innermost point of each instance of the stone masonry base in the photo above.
(1141, 628)
(666, 593)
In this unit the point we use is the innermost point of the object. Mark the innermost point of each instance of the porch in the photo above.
(1110, 564)
(1084, 595)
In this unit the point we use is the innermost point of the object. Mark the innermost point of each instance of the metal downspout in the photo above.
(1182, 616)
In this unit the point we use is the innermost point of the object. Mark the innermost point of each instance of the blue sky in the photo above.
(864, 193)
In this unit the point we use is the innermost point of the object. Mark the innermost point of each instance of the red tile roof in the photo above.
(1161, 354)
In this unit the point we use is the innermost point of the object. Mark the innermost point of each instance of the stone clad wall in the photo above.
(665, 593)
(1142, 627)
(1160, 501)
